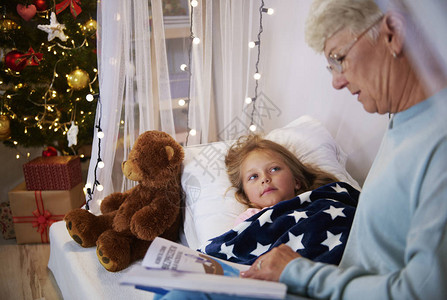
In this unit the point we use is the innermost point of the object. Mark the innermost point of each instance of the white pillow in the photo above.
(210, 206)
(312, 143)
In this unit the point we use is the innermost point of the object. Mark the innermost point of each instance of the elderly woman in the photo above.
(397, 248)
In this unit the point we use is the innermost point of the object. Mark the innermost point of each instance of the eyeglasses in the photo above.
(335, 60)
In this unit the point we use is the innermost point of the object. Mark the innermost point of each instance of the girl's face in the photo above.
(266, 179)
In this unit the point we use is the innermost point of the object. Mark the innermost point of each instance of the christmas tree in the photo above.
(47, 70)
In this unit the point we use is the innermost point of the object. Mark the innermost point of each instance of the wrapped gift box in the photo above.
(53, 173)
(33, 212)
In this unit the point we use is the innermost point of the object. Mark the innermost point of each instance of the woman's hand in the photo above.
(270, 265)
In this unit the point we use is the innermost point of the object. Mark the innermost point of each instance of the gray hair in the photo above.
(326, 17)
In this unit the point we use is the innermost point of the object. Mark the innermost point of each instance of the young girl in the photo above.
(268, 178)
(265, 173)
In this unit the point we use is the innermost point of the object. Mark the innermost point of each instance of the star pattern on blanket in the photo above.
(332, 240)
(298, 215)
(203, 247)
(266, 217)
(241, 227)
(305, 197)
(335, 212)
(227, 250)
(339, 189)
(295, 242)
(315, 224)
(260, 249)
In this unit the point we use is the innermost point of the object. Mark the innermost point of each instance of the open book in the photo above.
(168, 265)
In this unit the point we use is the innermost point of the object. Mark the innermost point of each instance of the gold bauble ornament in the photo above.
(5, 129)
(78, 79)
(7, 25)
(89, 27)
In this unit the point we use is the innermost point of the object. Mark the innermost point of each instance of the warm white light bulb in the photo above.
(252, 44)
(269, 11)
(181, 102)
(194, 3)
(257, 76)
(100, 188)
(89, 97)
(101, 164)
(248, 100)
(193, 132)
(196, 41)
(183, 67)
(252, 127)
(100, 134)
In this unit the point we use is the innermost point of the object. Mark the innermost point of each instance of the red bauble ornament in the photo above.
(27, 12)
(14, 62)
(41, 5)
(49, 151)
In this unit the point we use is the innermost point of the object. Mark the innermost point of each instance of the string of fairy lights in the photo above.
(194, 40)
(89, 188)
(257, 76)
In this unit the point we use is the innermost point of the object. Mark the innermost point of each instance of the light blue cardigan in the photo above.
(397, 248)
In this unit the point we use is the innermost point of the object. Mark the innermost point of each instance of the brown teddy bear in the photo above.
(132, 219)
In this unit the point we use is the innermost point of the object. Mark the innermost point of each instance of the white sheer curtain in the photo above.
(220, 66)
(201, 109)
(237, 23)
(134, 84)
(135, 92)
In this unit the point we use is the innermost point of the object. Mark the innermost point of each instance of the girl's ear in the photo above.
(297, 185)
(393, 29)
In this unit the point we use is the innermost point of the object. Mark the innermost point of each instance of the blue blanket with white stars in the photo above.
(315, 224)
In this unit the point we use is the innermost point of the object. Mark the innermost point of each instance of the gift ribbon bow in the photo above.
(75, 8)
(42, 219)
(29, 58)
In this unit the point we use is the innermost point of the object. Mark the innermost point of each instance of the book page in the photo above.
(167, 255)
(168, 265)
(158, 279)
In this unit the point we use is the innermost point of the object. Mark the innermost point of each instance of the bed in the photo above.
(210, 208)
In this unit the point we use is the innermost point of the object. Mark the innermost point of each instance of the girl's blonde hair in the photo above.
(309, 176)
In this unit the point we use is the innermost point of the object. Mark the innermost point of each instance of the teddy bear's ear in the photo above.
(170, 152)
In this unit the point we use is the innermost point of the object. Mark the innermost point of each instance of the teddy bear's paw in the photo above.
(112, 202)
(113, 251)
(79, 223)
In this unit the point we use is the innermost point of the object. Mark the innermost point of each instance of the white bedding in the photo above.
(211, 208)
(78, 273)
(209, 211)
